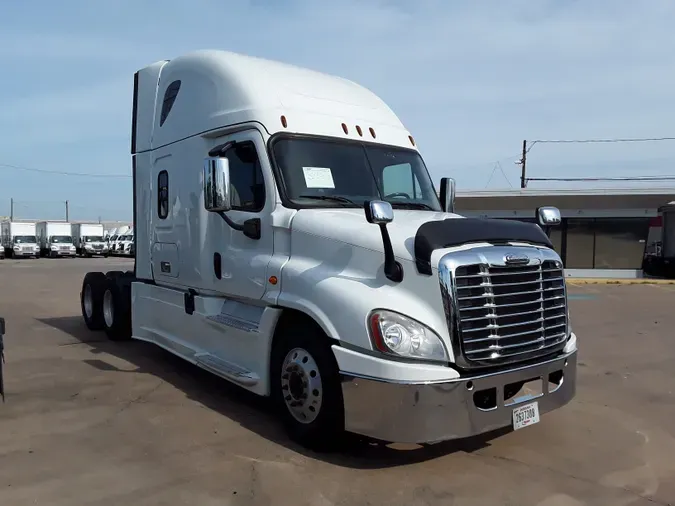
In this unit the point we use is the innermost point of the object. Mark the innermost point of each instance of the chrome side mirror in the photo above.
(548, 216)
(217, 196)
(448, 194)
(379, 212)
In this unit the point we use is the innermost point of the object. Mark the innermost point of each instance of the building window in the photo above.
(247, 185)
(163, 194)
(580, 243)
(620, 242)
(169, 98)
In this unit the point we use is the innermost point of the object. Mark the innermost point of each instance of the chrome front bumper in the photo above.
(434, 412)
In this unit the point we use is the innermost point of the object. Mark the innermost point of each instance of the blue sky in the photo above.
(470, 79)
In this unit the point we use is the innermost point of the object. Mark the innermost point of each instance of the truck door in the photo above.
(243, 262)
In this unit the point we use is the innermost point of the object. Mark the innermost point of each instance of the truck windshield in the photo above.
(93, 238)
(62, 239)
(329, 173)
(25, 239)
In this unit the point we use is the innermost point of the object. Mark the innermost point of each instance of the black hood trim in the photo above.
(451, 232)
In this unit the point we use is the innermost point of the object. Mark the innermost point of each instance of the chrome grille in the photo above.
(64, 247)
(509, 313)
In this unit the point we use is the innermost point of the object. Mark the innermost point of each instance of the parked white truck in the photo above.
(289, 239)
(55, 239)
(125, 243)
(19, 239)
(88, 239)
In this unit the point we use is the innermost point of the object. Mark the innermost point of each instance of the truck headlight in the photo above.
(17, 248)
(72, 248)
(395, 334)
(54, 248)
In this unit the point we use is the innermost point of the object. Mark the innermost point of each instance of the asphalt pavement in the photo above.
(92, 422)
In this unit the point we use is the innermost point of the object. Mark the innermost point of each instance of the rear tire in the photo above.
(117, 309)
(91, 300)
(306, 387)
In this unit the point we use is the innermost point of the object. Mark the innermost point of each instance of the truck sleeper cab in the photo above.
(288, 238)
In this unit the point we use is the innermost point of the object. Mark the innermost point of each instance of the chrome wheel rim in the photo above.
(88, 302)
(301, 385)
(108, 308)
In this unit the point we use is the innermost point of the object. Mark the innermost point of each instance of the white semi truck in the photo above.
(19, 239)
(55, 239)
(88, 239)
(288, 238)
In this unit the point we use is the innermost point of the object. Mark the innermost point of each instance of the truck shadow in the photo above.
(253, 412)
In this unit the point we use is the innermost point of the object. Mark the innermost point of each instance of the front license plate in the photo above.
(526, 415)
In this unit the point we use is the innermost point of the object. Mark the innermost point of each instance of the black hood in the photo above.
(441, 234)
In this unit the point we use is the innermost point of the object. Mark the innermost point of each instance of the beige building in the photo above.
(602, 229)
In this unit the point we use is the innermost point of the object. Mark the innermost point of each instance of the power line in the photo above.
(587, 141)
(63, 173)
(498, 165)
(627, 178)
(526, 150)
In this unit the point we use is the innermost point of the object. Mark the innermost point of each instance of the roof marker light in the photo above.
(284, 123)
(359, 131)
(372, 132)
(412, 141)
(344, 128)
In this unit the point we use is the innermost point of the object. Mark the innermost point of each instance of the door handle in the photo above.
(165, 267)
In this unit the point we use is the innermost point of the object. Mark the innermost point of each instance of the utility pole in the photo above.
(523, 161)
(11, 209)
(66, 210)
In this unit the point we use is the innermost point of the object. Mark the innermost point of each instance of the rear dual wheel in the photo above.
(105, 300)
(117, 310)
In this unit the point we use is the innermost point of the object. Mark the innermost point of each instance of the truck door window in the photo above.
(247, 185)
(400, 179)
(163, 195)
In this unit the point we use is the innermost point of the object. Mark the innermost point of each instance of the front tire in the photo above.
(306, 387)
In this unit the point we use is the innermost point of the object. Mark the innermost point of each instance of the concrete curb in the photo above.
(603, 281)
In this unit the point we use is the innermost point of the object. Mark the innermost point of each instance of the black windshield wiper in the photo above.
(334, 198)
(411, 205)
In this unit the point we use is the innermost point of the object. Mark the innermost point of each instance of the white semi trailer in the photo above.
(19, 239)
(55, 239)
(288, 238)
(88, 239)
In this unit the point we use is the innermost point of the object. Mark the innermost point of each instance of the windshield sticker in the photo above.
(318, 177)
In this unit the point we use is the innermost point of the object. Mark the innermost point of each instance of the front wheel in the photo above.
(306, 387)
